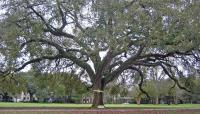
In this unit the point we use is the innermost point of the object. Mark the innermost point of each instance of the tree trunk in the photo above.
(138, 99)
(175, 100)
(98, 93)
(5, 97)
(31, 97)
(156, 100)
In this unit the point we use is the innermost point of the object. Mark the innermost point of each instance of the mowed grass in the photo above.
(62, 105)
(42, 105)
(153, 106)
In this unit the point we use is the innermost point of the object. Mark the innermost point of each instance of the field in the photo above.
(60, 105)
(56, 108)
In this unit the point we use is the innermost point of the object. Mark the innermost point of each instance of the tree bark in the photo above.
(98, 93)
(138, 99)
(175, 100)
(156, 100)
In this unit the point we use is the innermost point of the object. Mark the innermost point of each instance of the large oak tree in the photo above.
(102, 38)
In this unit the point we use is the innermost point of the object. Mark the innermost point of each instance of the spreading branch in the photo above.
(37, 60)
(174, 79)
(141, 81)
(50, 28)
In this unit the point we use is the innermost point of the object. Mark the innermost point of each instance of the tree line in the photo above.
(68, 88)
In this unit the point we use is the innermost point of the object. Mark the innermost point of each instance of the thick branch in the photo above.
(160, 63)
(50, 28)
(141, 81)
(174, 79)
(58, 47)
(170, 54)
(63, 16)
(37, 60)
(104, 63)
(129, 4)
(124, 65)
(82, 64)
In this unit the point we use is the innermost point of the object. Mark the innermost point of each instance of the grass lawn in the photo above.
(2, 104)
(11, 104)
(153, 106)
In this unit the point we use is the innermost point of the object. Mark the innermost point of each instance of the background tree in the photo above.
(193, 83)
(156, 84)
(137, 94)
(11, 86)
(59, 85)
(114, 91)
(131, 34)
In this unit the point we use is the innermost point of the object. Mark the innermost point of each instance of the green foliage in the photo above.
(193, 83)
(60, 85)
(43, 85)
(114, 90)
(12, 84)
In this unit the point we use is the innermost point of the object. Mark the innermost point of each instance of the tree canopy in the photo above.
(101, 38)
